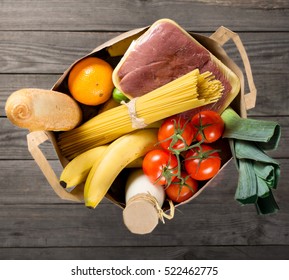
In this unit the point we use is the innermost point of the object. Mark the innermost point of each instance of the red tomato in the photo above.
(202, 164)
(160, 166)
(210, 126)
(178, 191)
(174, 128)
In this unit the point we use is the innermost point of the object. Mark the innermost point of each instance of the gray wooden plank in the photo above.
(36, 224)
(13, 144)
(57, 50)
(72, 225)
(46, 52)
(22, 182)
(13, 82)
(272, 94)
(271, 90)
(148, 253)
(52, 52)
(125, 15)
(31, 216)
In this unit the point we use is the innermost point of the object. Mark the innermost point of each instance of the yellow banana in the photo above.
(118, 155)
(137, 163)
(76, 171)
(119, 48)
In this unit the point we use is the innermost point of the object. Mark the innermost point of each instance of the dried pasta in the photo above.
(187, 92)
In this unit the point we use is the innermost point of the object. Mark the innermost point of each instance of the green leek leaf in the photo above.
(266, 205)
(246, 191)
(266, 133)
(249, 150)
(269, 173)
(258, 172)
(262, 188)
(232, 148)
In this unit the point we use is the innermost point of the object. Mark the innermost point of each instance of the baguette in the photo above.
(38, 109)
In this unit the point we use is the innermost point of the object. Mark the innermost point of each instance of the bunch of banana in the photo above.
(76, 171)
(99, 166)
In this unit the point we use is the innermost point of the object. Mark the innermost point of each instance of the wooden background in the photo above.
(40, 39)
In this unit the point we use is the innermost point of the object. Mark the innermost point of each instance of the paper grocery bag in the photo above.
(214, 43)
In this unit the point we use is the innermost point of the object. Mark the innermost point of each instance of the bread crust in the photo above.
(39, 109)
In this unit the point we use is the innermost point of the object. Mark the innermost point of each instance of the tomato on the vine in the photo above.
(176, 133)
(179, 191)
(160, 166)
(210, 126)
(202, 163)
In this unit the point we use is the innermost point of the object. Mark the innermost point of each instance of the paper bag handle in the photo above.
(34, 139)
(223, 35)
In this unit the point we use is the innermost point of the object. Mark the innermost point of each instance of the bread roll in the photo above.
(38, 109)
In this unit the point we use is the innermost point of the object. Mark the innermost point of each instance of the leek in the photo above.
(265, 133)
(258, 172)
(247, 184)
(266, 205)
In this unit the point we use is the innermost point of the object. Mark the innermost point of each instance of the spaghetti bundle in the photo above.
(187, 92)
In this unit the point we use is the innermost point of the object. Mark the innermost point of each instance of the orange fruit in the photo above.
(90, 81)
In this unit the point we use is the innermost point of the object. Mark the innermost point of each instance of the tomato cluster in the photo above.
(184, 157)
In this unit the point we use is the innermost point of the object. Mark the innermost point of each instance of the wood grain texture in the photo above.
(34, 64)
(73, 225)
(148, 253)
(40, 39)
(102, 15)
(52, 52)
(32, 216)
(46, 52)
(270, 89)
(13, 144)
